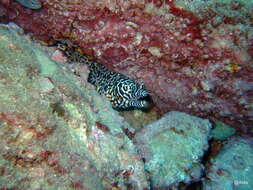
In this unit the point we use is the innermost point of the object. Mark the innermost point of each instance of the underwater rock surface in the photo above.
(57, 132)
(197, 62)
(222, 131)
(172, 148)
(194, 56)
(232, 167)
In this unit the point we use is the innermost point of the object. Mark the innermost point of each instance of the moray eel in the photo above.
(123, 92)
(31, 4)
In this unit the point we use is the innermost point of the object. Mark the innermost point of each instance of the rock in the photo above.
(232, 167)
(45, 85)
(172, 148)
(31, 4)
(56, 131)
(222, 131)
(155, 51)
(138, 119)
(178, 48)
(206, 85)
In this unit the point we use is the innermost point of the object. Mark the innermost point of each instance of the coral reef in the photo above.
(194, 56)
(172, 148)
(232, 167)
(57, 132)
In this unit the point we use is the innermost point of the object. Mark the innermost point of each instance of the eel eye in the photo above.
(61, 46)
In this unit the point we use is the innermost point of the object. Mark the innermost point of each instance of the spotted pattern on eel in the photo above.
(123, 92)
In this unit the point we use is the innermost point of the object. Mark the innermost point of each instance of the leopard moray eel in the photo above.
(31, 4)
(123, 92)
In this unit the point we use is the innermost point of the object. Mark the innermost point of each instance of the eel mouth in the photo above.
(148, 102)
(145, 98)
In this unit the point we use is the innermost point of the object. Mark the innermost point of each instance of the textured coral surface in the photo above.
(172, 148)
(232, 167)
(56, 131)
(194, 62)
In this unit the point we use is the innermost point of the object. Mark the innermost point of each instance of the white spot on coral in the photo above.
(155, 51)
(132, 24)
(138, 38)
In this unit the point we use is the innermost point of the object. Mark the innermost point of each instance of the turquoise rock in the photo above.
(232, 168)
(172, 148)
(31, 4)
(222, 131)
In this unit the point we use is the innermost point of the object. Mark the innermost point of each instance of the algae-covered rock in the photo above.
(138, 119)
(232, 168)
(56, 131)
(172, 148)
(222, 131)
(238, 10)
